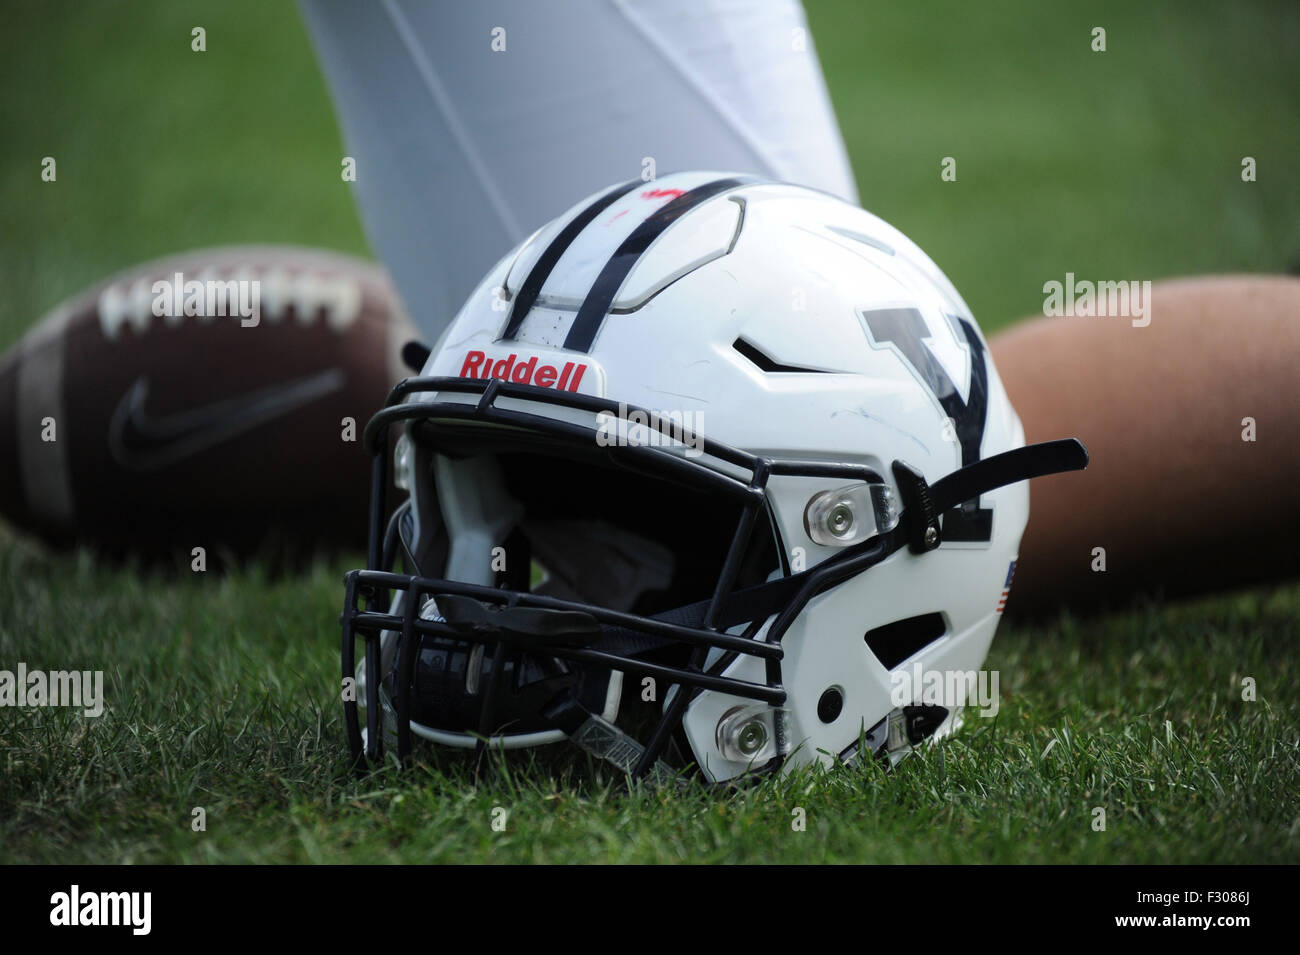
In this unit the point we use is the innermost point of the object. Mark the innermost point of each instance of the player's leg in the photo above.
(473, 123)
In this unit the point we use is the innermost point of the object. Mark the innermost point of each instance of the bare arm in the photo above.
(1178, 495)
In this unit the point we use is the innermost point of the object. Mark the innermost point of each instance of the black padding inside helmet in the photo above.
(627, 540)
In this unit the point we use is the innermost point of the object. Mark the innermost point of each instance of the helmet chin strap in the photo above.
(473, 618)
(923, 503)
(1020, 464)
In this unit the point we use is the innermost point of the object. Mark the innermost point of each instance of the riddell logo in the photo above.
(478, 364)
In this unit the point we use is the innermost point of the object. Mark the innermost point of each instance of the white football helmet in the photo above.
(706, 472)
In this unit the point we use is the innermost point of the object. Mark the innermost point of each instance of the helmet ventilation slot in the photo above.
(769, 365)
(895, 642)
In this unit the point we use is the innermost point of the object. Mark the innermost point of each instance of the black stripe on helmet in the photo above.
(591, 315)
(541, 269)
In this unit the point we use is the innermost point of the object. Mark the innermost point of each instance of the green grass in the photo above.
(222, 693)
(159, 148)
(222, 690)
(1118, 164)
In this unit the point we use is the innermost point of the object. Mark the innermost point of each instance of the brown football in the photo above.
(127, 424)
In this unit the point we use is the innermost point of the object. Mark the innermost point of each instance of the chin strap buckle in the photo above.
(604, 740)
(922, 516)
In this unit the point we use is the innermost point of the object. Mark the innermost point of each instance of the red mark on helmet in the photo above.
(662, 193)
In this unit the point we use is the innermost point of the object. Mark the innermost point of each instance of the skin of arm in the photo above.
(1193, 426)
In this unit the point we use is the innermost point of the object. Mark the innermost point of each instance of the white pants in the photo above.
(474, 122)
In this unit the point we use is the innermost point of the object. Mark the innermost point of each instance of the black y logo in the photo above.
(904, 330)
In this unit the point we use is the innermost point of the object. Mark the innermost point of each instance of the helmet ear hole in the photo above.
(831, 705)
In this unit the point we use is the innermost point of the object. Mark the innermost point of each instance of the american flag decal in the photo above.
(1006, 588)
